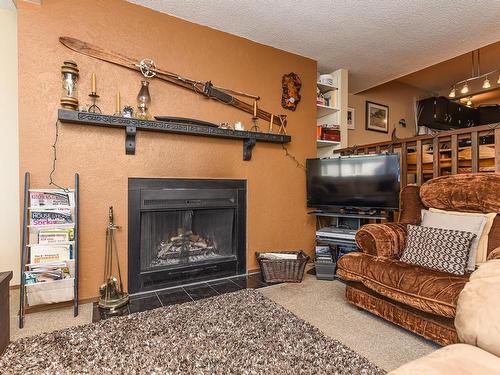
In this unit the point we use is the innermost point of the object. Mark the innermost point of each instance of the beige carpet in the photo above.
(322, 304)
(45, 321)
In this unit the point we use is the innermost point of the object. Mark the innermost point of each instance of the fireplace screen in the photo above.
(177, 238)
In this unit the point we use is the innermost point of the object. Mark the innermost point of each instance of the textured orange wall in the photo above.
(276, 187)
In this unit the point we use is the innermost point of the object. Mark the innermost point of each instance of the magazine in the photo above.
(39, 273)
(50, 253)
(55, 236)
(50, 216)
(47, 198)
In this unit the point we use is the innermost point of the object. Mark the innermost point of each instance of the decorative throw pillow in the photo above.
(473, 223)
(482, 247)
(440, 249)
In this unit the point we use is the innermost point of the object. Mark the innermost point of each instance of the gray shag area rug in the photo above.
(235, 333)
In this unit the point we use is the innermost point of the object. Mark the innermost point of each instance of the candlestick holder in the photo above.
(94, 108)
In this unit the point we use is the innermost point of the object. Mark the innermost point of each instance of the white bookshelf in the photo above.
(335, 113)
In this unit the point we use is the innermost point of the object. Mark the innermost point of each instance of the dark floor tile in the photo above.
(173, 296)
(200, 291)
(225, 286)
(143, 304)
(255, 281)
(241, 281)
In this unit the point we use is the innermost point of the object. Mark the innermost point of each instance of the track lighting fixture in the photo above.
(476, 83)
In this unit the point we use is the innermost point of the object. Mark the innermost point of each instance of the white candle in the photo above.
(118, 105)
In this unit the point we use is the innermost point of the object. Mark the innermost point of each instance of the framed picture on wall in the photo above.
(350, 118)
(377, 117)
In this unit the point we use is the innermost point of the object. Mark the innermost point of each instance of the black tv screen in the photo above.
(354, 182)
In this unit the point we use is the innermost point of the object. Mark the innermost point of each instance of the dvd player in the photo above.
(333, 233)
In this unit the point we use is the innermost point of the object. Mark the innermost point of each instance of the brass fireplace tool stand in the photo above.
(112, 297)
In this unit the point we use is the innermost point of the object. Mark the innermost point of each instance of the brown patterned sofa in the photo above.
(419, 299)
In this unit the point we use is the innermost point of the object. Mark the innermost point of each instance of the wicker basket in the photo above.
(283, 270)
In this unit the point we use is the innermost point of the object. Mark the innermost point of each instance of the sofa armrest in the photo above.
(495, 254)
(384, 240)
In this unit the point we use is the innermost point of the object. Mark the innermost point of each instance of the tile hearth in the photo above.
(153, 300)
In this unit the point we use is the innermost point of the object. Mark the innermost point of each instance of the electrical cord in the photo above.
(287, 154)
(52, 181)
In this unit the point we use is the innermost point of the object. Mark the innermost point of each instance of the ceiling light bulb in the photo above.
(452, 92)
(465, 89)
(486, 83)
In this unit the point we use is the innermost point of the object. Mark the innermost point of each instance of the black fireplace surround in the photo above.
(183, 231)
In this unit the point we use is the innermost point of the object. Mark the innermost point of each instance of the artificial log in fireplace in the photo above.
(185, 230)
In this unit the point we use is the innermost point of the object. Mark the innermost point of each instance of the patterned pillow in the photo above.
(444, 250)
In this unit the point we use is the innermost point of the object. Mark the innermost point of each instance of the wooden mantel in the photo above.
(131, 125)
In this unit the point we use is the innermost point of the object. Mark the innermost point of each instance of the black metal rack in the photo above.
(25, 247)
(131, 125)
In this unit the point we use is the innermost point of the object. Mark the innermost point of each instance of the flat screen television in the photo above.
(365, 182)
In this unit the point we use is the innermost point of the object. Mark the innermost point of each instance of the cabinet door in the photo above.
(453, 118)
(441, 110)
(468, 116)
(425, 112)
(489, 114)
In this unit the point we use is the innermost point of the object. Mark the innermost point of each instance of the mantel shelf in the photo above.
(130, 125)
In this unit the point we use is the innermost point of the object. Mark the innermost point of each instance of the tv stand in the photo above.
(368, 214)
(336, 230)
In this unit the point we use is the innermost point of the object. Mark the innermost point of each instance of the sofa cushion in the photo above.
(478, 309)
(425, 289)
(451, 360)
(440, 249)
(474, 192)
(474, 222)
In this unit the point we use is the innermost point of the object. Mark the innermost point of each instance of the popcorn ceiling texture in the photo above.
(236, 333)
(377, 41)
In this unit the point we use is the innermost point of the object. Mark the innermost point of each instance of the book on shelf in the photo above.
(50, 216)
(51, 198)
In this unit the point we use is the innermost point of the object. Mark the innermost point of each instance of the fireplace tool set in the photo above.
(112, 297)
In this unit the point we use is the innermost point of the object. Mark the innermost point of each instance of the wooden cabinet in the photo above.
(5, 278)
(443, 114)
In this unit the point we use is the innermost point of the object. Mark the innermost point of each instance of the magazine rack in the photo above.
(60, 290)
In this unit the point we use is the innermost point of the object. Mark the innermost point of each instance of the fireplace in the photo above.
(183, 231)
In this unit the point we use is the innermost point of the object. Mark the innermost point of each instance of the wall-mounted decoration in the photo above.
(149, 69)
(350, 118)
(402, 123)
(377, 117)
(69, 94)
(143, 101)
(291, 84)
(94, 108)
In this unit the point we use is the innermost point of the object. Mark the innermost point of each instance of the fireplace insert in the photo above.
(183, 231)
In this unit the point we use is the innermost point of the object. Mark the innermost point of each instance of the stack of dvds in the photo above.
(324, 263)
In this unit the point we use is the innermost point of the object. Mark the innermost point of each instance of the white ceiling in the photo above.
(377, 40)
